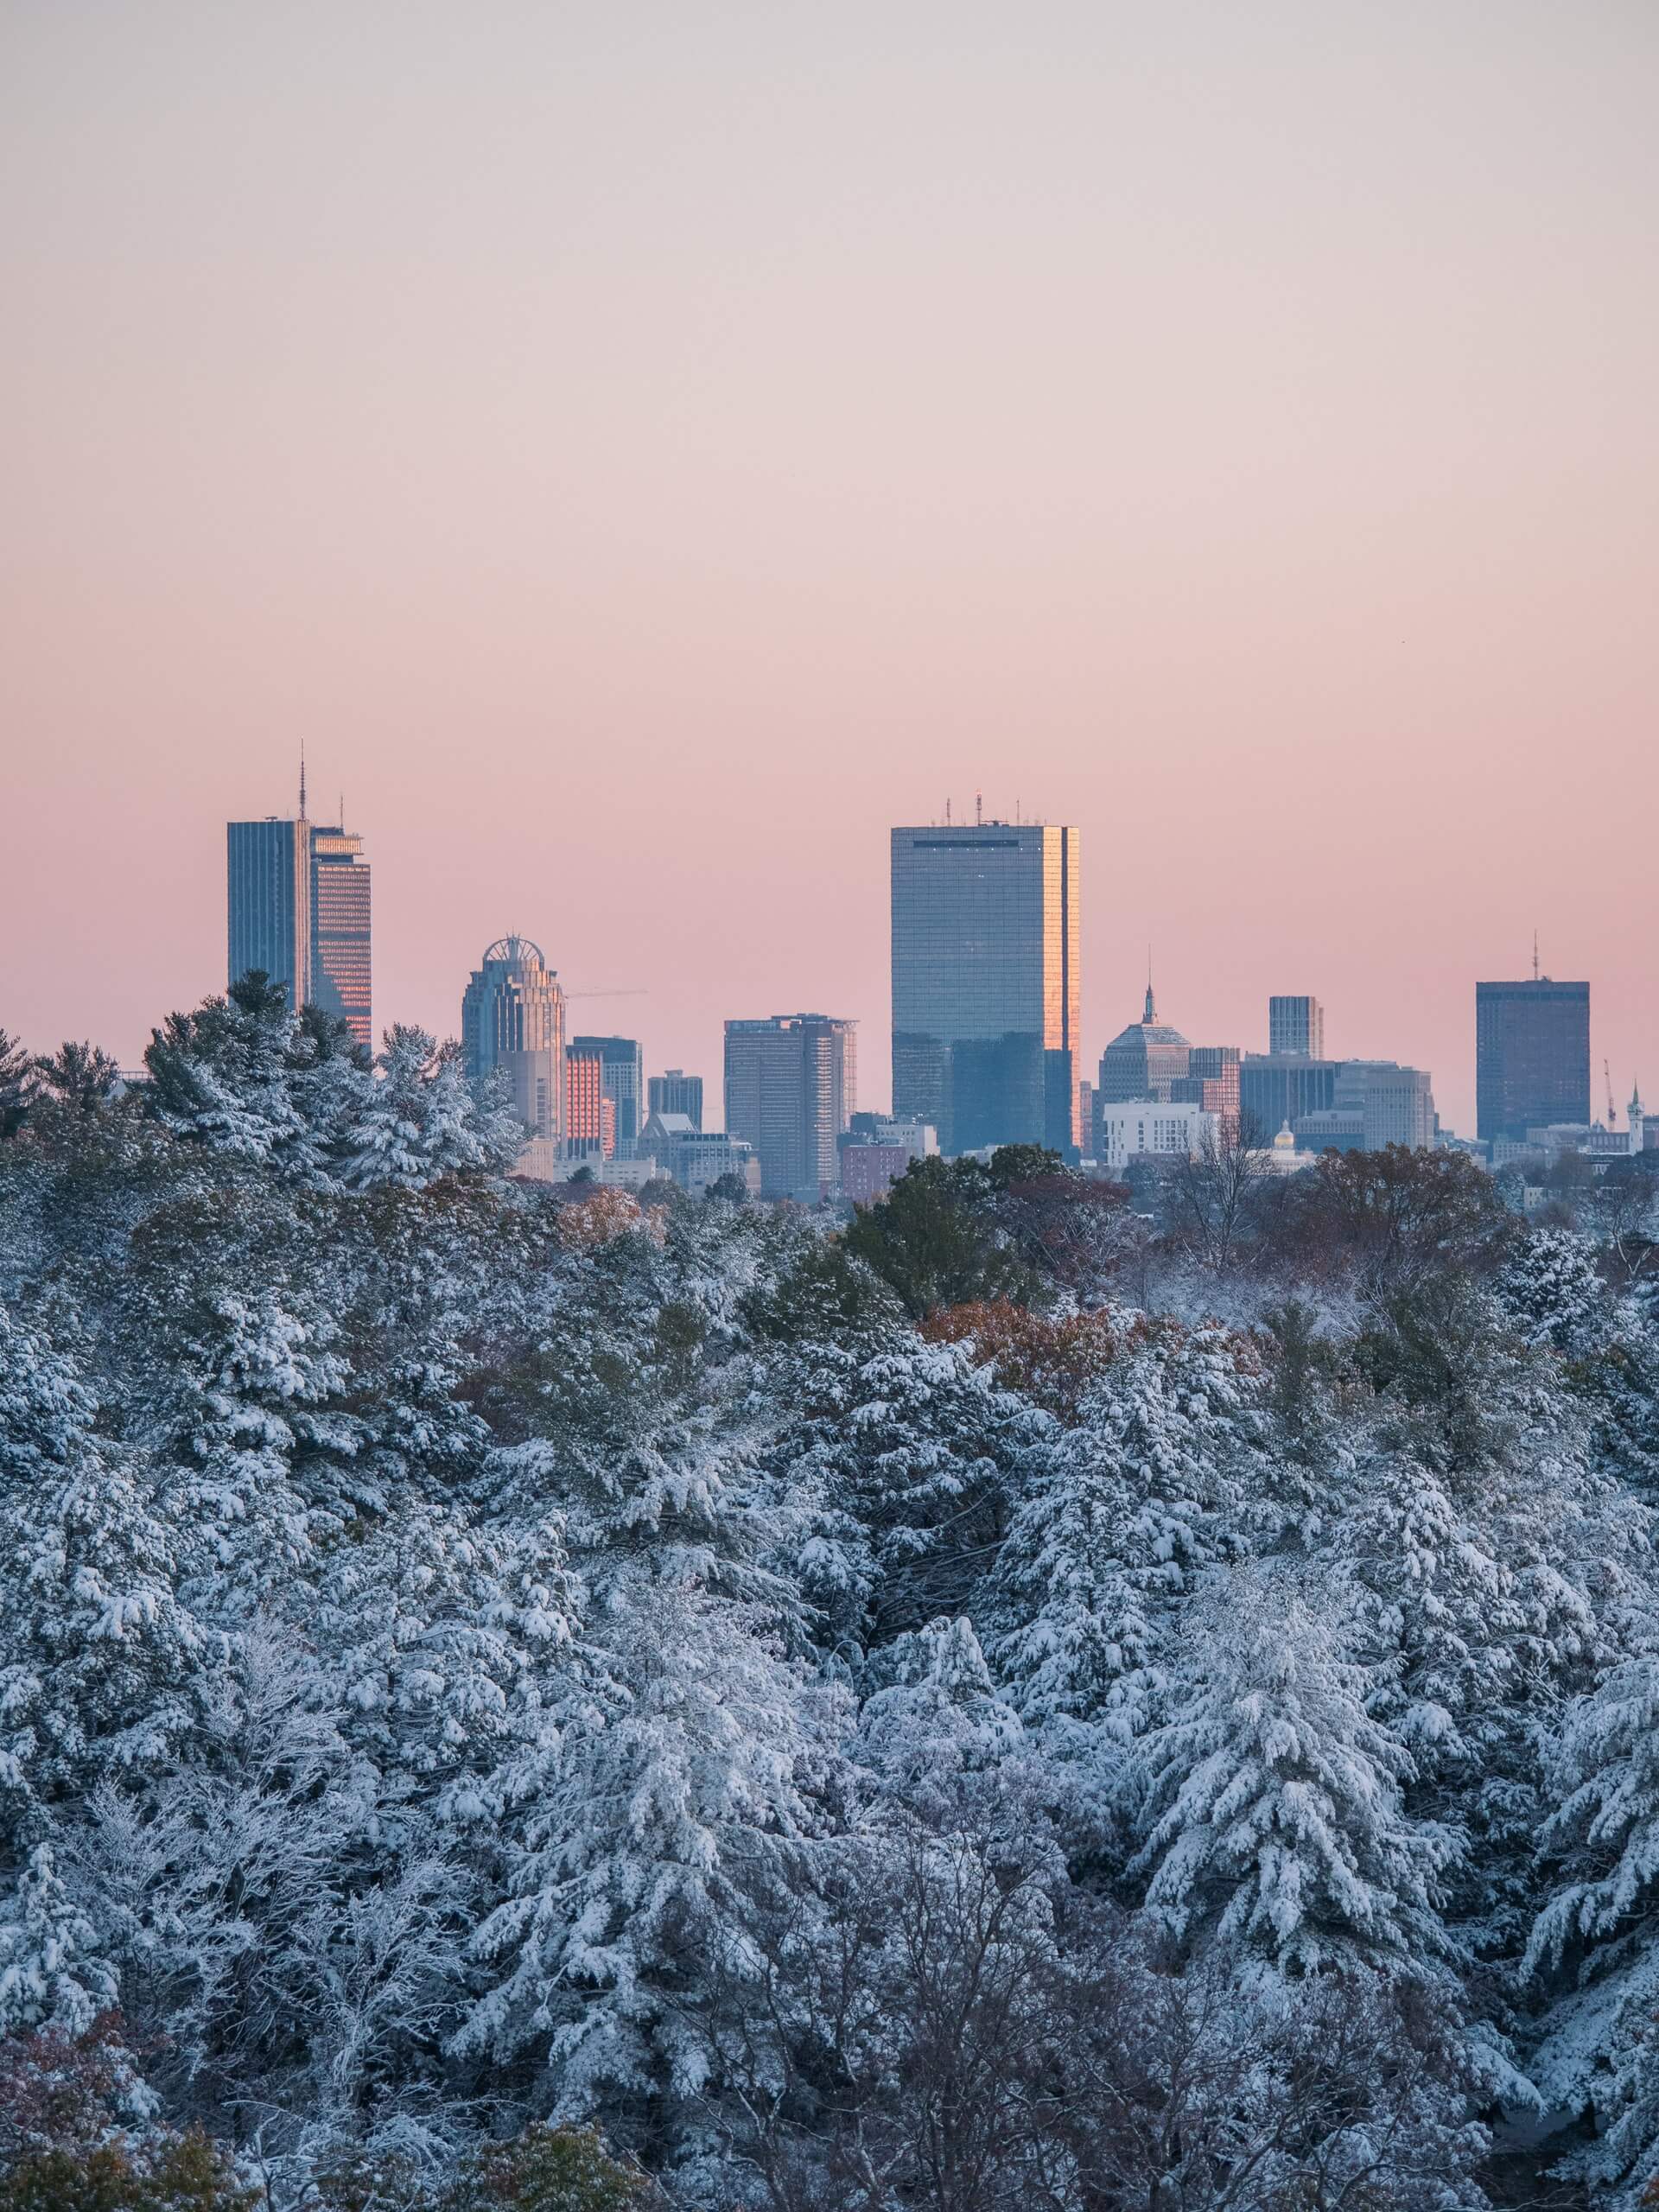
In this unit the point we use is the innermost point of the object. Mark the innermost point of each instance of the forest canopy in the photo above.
(1041, 1694)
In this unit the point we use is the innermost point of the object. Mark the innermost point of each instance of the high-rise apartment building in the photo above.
(622, 1080)
(1532, 1056)
(677, 1093)
(512, 1017)
(988, 982)
(341, 981)
(589, 1109)
(1296, 1025)
(298, 908)
(791, 1084)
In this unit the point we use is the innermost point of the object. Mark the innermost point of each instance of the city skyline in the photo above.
(329, 844)
(648, 456)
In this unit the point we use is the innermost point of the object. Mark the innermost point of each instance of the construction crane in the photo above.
(1613, 1110)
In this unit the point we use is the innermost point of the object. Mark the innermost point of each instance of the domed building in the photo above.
(1143, 1061)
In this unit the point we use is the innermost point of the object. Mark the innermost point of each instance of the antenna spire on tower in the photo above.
(1535, 955)
(302, 779)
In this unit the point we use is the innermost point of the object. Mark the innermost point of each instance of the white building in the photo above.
(1129, 1128)
(697, 1157)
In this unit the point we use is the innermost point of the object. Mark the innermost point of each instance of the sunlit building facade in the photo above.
(988, 982)
(622, 1080)
(512, 1018)
(342, 975)
(589, 1110)
(1296, 1024)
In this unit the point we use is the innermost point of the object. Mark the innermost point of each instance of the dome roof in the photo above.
(1147, 1031)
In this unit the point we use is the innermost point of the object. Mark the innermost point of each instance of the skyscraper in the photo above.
(268, 877)
(1296, 1025)
(622, 1080)
(590, 1109)
(791, 1085)
(342, 980)
(986, 982)
(1532, 1056)
(512, 1017)
(298, 900)
(678, 1093)
(1145, 1060)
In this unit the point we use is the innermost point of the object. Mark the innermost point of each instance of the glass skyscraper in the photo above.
(268, 877)
(298, 896)
(512, 1017)
(622, 1080)
(791, 1087)
(1532, 1056)
(986, 982)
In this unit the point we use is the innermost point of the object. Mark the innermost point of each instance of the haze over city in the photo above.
(645, 453)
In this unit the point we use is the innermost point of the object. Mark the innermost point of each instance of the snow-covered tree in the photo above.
(52, 1970)
(1116, 1516)
(686, 1784)
(419, 1121)
(1551, 1291)
(1274, 1822)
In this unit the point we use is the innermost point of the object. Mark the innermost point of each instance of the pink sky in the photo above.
(647, 449)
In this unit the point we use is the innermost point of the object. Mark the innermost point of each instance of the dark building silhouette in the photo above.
(675, 1092)
(1276, 1088)
(1532, 1056)
(791, 1085)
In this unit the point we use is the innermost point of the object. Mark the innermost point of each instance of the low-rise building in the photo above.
(877, 1150)
(696, 1158)
(1136, 1129)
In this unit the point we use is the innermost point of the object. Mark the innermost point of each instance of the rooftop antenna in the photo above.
(1535, 955)
(1017, 816)
(342, 810)
(302, 779)
(979, 809)
(947, 814)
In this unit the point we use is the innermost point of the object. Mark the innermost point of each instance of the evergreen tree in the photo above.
(1274, 1821)
(419, 1120)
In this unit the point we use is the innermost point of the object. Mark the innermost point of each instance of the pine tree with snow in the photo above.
(261, 1451)
(1117, 1517)
(1552, 1292)
(19, 1085)
(686, 1787)
(419, 1120)
(224, 1077)
(938, 1723)
(52, 1970)
(1273, 1822)
(1599, 1929)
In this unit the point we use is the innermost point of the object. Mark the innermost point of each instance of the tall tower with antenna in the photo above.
(298, 911)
